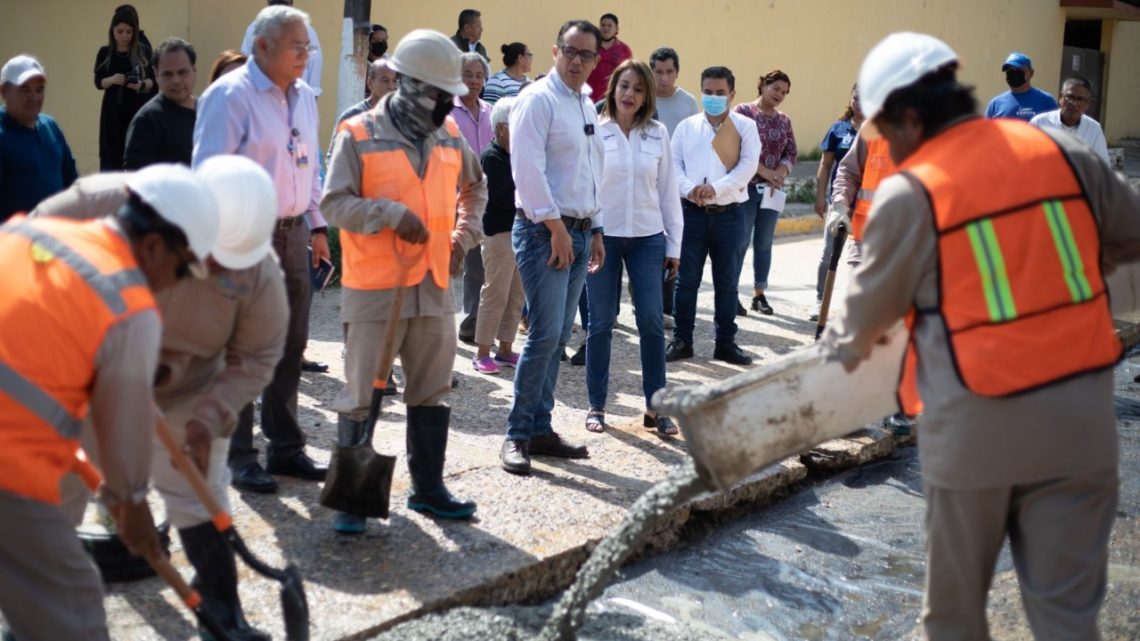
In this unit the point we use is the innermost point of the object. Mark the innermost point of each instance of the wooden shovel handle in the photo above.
(221, 519)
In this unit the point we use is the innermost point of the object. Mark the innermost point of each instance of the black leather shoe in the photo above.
(313, 366)
(252, 478)
(740, 311)
(579, 357)
(515, 457)
(552, 445)
(299, 466)
(731, 353)
(760, 304)
(677, 350)
(467, 338)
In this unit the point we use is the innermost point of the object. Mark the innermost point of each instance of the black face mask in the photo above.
(1015, 77)
(443, 105)
(378, 48)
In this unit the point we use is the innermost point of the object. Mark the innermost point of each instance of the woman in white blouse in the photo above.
(642, 223)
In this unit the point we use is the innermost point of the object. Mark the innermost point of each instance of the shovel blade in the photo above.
(359, 481)
(294, 605)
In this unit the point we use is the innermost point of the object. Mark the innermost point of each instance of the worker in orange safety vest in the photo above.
(80, 333)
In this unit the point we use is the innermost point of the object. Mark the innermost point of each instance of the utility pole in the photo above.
(353, 53)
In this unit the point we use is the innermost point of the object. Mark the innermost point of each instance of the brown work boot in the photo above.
(514, 457)
(552, 445)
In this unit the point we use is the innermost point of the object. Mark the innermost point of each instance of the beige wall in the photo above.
(819, 43)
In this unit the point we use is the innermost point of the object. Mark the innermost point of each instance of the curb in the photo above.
(799, 226)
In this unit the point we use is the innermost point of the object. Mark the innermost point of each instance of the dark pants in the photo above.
(279, 398)
(473, 277)
(717, 237)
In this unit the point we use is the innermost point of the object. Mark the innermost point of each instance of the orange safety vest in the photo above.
(877, 167)
(65, 285)
(1022, 296)
(375, 261)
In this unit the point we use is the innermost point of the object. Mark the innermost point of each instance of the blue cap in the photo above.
(1019, 60)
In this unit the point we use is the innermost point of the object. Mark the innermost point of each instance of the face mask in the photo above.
(443, 106)
(1015, 77)
(378, 48)
(714, 105)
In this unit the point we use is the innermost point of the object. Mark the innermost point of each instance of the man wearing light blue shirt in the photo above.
(264, 111)
(557, 236)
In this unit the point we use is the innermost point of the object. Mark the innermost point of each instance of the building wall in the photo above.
(819, 43)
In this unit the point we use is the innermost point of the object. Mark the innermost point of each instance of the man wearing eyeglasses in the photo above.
(1076, 93)
(264, 111)
(557, 234)
(313, 65)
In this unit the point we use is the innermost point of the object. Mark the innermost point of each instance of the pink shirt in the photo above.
(476, 128)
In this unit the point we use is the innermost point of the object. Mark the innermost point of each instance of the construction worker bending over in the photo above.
(397, 176)
(221, 341)
(1008, 231)
(80, 340)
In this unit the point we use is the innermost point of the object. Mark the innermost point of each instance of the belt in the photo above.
(711, 209)
(578, 224)
(290, 222)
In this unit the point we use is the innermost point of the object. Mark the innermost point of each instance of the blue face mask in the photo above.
(714, 105)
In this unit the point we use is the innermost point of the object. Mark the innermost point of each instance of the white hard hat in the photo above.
(181, 198)
(431, 57)
(247, 209)
(898, 60)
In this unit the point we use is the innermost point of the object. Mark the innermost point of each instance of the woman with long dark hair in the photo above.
(642, 221)
(124, 74)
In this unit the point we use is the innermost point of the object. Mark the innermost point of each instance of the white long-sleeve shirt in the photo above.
(639, 188)
(312, 75)
(697, 162)
(1087, 130)
(556, 165)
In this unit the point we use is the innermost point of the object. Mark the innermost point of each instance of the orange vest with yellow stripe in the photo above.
(373, 261)
(1022, 296)
(877, 167)
(65, 285)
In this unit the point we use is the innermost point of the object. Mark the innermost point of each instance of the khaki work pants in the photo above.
(1058, 533)
(50, 589)
(183, 508)
(501, 298)
(426, 347)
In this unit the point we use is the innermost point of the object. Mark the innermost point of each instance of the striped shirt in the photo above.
(501, 85)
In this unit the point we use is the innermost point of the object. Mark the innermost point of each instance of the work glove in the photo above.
(836, 216)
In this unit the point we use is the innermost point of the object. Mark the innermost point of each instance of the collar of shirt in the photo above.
(261, 82)
(561, 86)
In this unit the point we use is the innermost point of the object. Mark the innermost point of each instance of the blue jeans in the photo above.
(644, 257)
(761, 230)
(715, 236)
(551, 297)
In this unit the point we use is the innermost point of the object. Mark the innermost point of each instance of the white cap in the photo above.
(431, 57)
(899, 60)
(247, 209)
(21, 69)
(183, 200)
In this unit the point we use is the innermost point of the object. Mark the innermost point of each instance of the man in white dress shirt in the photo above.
(713, 169)
(1076, 92)
(556, 161)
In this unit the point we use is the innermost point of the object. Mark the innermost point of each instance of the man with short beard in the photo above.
(1023, 100)
(407, 193)
(163, 129)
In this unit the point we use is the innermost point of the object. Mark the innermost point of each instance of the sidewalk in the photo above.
(531, 533)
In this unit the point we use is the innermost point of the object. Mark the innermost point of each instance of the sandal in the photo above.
(596, 420)
(663, 424)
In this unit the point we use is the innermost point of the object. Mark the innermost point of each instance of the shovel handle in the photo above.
(187, 594)
(829, 282)
(221, 519)
(387, 355)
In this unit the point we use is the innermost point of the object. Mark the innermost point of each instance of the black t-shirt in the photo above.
(161, 131)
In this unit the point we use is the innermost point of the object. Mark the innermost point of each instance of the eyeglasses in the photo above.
(585, 56)
(1076, 100)
(303, 47)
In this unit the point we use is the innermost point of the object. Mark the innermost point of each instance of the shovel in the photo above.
(293, 602)
(359, 479)
(829, 282)
(189, 596)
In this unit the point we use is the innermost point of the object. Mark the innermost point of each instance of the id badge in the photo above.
(302, 155)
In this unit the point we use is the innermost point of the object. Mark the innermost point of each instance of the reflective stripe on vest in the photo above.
(1022, 297)
(66, 285)
(877, 167)
(381, 260)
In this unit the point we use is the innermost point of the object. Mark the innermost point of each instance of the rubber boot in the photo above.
(427, 444)
(216, 580)
(348, 432)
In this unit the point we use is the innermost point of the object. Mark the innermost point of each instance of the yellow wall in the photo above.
(819, 43)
